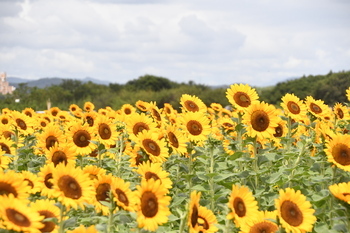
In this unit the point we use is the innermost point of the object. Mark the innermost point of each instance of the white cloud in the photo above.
(258, 42)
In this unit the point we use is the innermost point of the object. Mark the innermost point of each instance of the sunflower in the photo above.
(6, 145)
(80, 138)
(23, 123)
(51, 135)
(265, 222)
(94, 171)
(142, 105)
(72, 186)
(196, 126)
(261, 120)
(315, 107)
(83, 229)
(341, 191)
(88, 106)
(136, 123)
(127, 109)
(150, 170)
(41, 122)
(156, 113)
(73, 108)
(243, 205)
(89, 118)
(176, 140)
(12, 183)
(338, 151)
(45, 180)
(18, 216)
(293, 107)
(54, 111)
(4, 160)
(47, 209)
(106, 130)
(102, 187)
(5, 119)
(348, 93)
(294, 211)
(226, 123)
(193, 211)
(168, 109)
(137, 156)
(241, 96)
(155, 148)
(124, 197)
(29, 112)
(216, 107)
(206, 220)
(191, 103)
(32, 181)
(152, 204)
(60, 153)
(341, 111)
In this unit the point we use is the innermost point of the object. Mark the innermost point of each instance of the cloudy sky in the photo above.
(259, 42)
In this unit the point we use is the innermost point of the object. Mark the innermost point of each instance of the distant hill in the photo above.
(47, 82)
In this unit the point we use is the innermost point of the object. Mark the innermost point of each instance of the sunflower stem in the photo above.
(110, 216)
(211, 180)
(255, 162)
(289, 133)
(61, 223)
(183, 222)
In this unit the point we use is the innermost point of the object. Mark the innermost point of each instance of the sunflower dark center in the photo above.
(263, 227)
(4, 121)
(59, 157)
(346, 194)
(227, 125)
(194, 127)
(278, 131)
(194, 216)
(291, 213)
(151, 147)
(139, 126)
(156, 115)
(122, 197)
(94, 153)
(104, 131)
(50, 141)
(102, 191)
(341, 154)
(173, 140)
(149, 204)
(6, 189)
(260, 120)
(150, 175)
(47, 181)
(191, 106)
(30, 183)
(17, 218)
(239, 207)
(293, 107)
(127, 111)
(340, 113)
(90, 120)
(242, 99)
(48, 226)
(5, 148)
(81, 138)
(21, 123)
(70, 187)
(315, 108)
(43, 124)
(203, 222)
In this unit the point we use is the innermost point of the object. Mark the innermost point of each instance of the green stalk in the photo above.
(255, 162)
(110, 216)
(211, 180)
(61, 223)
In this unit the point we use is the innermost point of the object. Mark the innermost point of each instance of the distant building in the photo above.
(5, 87)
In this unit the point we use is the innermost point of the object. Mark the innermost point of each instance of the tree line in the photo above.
(330, 87)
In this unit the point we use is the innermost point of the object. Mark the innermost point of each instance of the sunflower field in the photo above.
(250, 167)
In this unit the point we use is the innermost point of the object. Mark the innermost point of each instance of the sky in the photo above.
(222, 42)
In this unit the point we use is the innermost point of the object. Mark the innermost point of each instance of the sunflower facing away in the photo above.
(243, 205)
(72, 186)
(341, 191)
(241, 96)
(338, 151)
(294, 211)
(18, 216)
(47, 209)
(191, 103)
(261, 120)
(153, 204)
